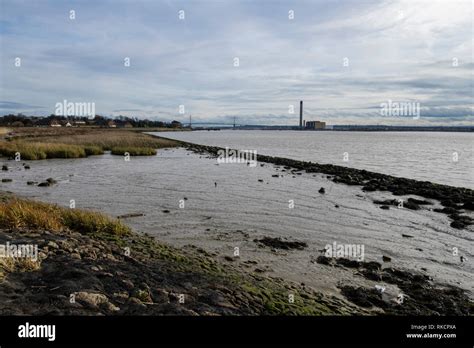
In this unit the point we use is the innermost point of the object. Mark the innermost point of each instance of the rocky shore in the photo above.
(77, 274)
(456, 201)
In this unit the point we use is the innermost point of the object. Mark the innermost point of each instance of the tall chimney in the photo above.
(301, 114)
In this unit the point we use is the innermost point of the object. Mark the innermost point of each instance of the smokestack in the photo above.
(301, 114)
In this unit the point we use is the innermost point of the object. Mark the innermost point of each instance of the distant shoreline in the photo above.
(460, 129)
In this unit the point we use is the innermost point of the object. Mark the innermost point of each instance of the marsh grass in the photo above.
(21, 213)
(93, 150)
(37, 151)
(103, 138)
(42, 143)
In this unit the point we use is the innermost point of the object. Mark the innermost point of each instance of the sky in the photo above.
(344, 59)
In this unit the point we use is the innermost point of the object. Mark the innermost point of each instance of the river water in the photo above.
(440, 157)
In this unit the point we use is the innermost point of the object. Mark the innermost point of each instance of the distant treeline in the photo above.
(21, 120)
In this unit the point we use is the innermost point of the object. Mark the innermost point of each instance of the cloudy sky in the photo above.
(343, 58)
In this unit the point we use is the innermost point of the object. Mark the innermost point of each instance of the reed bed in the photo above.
(42, 143)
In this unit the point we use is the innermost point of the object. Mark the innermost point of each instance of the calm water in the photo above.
(427, 156)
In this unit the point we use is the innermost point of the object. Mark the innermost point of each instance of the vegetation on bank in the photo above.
(42, 143)
(17, 213)
(38, 151)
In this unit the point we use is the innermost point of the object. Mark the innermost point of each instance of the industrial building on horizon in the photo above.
(310, 124)
(314, 125)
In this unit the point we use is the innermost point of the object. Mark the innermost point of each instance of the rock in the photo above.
(371, 274)
(348, 263)
(143, 295)
(52, 245)
(386, 258)
(166, 211)
(369, 188)
(336, 206)
(51, 181)
(363, 297)
(406, 236)
(279, 243)
(460, 221)
(380, 288)
(322, 190)
(275, 175)
(468, 205)
(160, 296)
(44, 184)
(323, 260)
(95, 300)
(135, 301)
(251, 262)
(260, 180)
(42, 255)
(229, 258)
(31, 182)
(7, 180)
(26, 167)
(128, 284)
(457, 225)
(409, 204)
(446, 210)
(5, 167)
(76, 256)
(419, 201)
(126, 216)
(122, 295)
(218, 300)
(384, 207)
(372, 265)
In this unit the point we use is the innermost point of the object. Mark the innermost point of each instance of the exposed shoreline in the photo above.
(153, 278)
(149, 280)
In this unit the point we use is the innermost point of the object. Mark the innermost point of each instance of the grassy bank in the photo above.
(82, 253)
(16, 213)
(42, 143)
